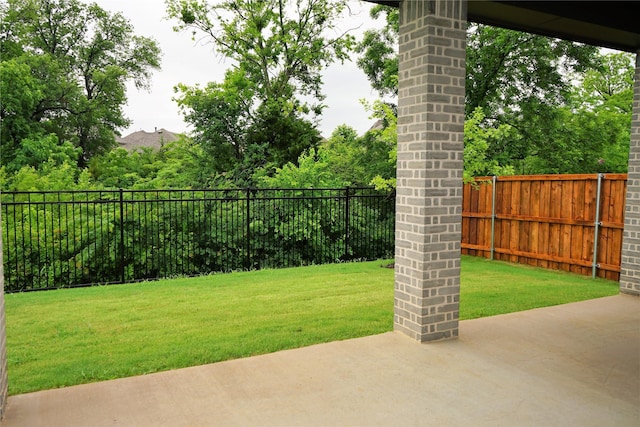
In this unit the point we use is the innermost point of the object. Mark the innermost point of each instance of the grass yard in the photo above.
(73, 336)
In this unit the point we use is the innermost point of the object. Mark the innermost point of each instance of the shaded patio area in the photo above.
(574, 364)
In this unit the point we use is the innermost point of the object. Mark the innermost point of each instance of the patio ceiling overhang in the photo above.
(612, 24)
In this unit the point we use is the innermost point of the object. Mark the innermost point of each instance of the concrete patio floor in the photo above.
(570, 365)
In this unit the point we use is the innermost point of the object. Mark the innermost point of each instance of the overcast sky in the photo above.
(184, 61)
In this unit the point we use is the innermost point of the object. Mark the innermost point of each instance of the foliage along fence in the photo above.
(72, 238)
(550, 221)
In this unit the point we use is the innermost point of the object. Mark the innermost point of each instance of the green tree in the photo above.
(582, 141)
(511, 74)
(266, 106)
(587, 133)
(78, 58)
(220, 114)
(345, 158)
(342, 151)
(378, 49)
(381, 147)
(521, 80)
(176, 165)
(44, 164)
(592, 133)
(20, 94)
(477, 140)
(608, 86)
(312, 171)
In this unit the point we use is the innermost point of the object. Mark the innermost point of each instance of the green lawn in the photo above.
(73, 336)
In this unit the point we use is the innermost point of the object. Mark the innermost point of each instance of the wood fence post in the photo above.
(596, 228)
(493, 216)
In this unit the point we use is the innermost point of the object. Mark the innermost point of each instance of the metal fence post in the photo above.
(248, 224)
(347, 216)
(596, 229)
(493, 216)
(121, 236)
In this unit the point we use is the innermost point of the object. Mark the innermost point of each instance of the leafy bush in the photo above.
(56, 239)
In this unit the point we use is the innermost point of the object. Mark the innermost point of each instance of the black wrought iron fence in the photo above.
(70, 238)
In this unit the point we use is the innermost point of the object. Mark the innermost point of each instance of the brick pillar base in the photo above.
(429, 169)
(630, 269)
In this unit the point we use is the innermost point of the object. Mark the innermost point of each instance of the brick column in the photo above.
(630, 272)
(3, 339)
(429, 169)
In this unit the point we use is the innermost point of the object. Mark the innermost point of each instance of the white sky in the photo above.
(184, 61)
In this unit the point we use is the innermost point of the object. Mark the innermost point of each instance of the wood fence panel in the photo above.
(466, 207)
(479, 222)
(544, 212)
(554, 238)
(590, 198)
(503, 191)
(607, 234)
(547, 221)
(488, 189)
(516, 188)
(612, 219)
(523, 226)
(473, 224)
(580, 233)
(565, 229)
(476, 225)
(484, 206)
(617, 227)
(534, 227)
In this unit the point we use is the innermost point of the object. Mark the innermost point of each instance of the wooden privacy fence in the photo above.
(551, 221)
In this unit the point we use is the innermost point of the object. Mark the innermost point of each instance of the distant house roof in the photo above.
(139, 139)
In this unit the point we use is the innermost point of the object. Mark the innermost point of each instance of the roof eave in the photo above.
(613, 26)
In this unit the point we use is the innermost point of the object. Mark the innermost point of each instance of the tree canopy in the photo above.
(379, 56)
(533, 104)
(63, 70)
(262, 114)
(566, 106)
